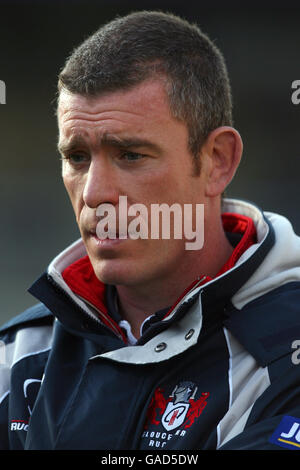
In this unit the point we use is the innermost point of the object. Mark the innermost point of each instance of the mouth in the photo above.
(110, 240)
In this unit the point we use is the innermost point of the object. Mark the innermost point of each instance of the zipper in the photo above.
(155, 328)
(112, 325)
(182, 300)
(91, 317)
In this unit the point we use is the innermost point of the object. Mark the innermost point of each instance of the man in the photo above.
(139, 342)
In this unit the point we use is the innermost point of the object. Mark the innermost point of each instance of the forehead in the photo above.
(141, 112)
(147, 99)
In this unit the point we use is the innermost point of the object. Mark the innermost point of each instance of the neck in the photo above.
(138, 302)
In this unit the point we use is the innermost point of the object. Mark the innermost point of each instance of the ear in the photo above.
(223, 151)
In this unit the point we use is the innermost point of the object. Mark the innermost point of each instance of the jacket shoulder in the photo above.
(268, 325)
(37, 314)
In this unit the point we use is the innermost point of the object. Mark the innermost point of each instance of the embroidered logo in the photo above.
(287, 433)
(18, 425)
(176, 413)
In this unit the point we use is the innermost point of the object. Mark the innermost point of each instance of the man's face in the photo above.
(126, 143)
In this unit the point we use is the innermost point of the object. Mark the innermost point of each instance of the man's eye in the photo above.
(75, 158)
(131, 156)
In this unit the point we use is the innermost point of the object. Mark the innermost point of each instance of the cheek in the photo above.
(156, 186)
(74, 187)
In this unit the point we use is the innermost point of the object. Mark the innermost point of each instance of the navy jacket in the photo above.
(220, 371)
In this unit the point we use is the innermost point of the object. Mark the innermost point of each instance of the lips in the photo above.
(108, 235)
(110, 239)
(107, 243)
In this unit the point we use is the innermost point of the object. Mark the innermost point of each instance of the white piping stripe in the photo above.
(248, 382)
(4, 396)
(229, 368)
(30, 354)
(230, 384)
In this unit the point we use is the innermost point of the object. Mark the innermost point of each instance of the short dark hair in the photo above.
(146, 44)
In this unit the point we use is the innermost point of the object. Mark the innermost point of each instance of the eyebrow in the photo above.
(109, 139)
(71, 144)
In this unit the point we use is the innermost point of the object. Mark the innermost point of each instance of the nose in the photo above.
(101, 184)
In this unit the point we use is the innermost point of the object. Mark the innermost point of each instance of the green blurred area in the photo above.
(261, 46)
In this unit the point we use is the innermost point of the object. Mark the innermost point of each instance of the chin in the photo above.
(112, 272)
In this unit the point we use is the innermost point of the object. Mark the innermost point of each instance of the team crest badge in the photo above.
(174, 414)
(182, 401)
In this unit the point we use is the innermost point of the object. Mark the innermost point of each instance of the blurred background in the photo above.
(261, 45)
